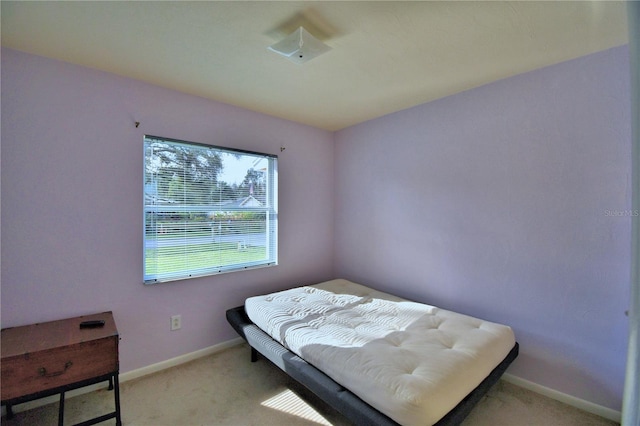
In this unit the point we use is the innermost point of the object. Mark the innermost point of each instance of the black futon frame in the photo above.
(341, 399)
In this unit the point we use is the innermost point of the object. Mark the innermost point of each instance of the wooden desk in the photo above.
(55, 357)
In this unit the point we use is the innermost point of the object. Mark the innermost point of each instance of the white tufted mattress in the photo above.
(410, 361)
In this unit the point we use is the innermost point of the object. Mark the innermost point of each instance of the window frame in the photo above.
(153, 209)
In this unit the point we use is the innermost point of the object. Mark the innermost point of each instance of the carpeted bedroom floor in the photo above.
(227, 389)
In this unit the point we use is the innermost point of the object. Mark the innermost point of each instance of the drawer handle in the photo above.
(43, 371)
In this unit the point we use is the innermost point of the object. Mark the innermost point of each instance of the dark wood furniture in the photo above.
(55, 357)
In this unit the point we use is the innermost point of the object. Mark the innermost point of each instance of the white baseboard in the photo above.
(182, 359)
(587, 406)
(130, 375)
(581, 404)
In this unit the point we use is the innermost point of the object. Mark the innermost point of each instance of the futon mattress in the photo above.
(412, 362)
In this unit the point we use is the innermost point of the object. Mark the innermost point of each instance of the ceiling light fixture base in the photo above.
(300, 46)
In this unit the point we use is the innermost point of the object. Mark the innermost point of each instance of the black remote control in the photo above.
(92, 324)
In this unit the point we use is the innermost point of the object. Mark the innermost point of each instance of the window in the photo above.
(207, 210)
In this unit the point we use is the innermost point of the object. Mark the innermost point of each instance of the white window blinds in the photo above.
(207, 210)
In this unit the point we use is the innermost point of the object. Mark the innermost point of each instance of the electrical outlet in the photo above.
(176, 322)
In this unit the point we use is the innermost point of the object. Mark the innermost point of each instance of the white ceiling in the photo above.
(385, 57)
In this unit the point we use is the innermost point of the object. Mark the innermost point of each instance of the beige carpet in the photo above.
(227, 389)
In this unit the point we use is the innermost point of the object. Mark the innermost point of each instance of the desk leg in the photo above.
(9, 412)
(61, 410)
(116, 395)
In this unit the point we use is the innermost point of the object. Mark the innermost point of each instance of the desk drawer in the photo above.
(39, 371)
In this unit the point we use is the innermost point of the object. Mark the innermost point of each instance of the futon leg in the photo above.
(254, 355)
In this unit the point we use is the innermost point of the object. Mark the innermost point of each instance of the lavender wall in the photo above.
(503, 202)
(72, 204)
